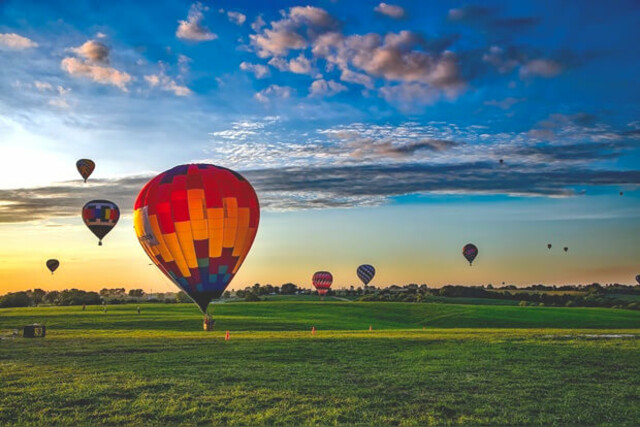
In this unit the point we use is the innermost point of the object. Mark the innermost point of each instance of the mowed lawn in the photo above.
(422, 364)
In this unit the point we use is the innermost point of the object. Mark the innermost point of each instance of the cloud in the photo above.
(390, 10)
(326, 88)
(363, 148)
(506, 103)
(259, 70)
(168, 84)
(286, 33)
(192, 28)
(298, 65)
(273, 91)
(98, 73)
(92, 51)
(329, 187)
(503, 61)
(14, 41)
(394, 57)
(42, 86)
(540, 68)
(258, 24)
(236, 17)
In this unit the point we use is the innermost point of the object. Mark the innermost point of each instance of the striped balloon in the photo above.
(322, 281)
(365, 273)
(100, 216)
(85, 167)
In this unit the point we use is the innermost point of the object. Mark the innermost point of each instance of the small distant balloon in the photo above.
(549, 245)
(365, 273)
(638, 279)
(52, 265)
(100, 216)
(566, 249)
(622, 193)
(470, 252)
(322, 281)
(501, 161)
(85, 167)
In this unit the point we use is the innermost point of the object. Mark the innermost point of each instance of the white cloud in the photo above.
(504, 104)
(43, 86)
(166, 83)
(326, 88)
(16, 42)
(540, 68)
(192, 28)
(98, 73)
(299, 65)
(273, 91)
(259, 70)
(93, 51)
(390, 10)
(236, 17)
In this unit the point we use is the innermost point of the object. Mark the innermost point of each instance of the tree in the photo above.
(37, 296)
(15, 299)
(182, 297)
(138, 293)
(52, 297)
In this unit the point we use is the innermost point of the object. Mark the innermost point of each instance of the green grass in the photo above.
(470, 365)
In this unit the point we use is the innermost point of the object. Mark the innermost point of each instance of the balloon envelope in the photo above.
(52, 265)
(638, 279)
(85, 167)
(197, 223)
(566, 249)
(470, 252)
(365, 273)
(322, 281)
(549, 246)
(100, 216)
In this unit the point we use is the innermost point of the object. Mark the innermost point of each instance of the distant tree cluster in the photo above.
(38, 296)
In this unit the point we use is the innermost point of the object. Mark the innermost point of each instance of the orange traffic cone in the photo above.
(313, 330)
(226, 336)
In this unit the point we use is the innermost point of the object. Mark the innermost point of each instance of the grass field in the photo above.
(471, 364)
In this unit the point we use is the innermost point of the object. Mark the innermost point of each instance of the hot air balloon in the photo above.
(52, 265)
(470, 252)
(501, 161)
(548, 245)
(322, 281)
(197, 223)
(638, 279)
(566, 249)
(85, 167)
(365, 273)
(100, 216)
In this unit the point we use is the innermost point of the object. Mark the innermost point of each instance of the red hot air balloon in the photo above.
(322, 281)
(52, 265)
(100, 216)
(470, 252)
(197, 223)
(85, 167)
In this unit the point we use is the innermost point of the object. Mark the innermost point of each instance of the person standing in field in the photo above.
(138, 309)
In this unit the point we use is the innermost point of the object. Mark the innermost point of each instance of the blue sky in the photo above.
(387, 109)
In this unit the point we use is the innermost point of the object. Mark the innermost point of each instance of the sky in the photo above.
(372, 132)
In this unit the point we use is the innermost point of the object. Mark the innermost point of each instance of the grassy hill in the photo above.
(470, 365)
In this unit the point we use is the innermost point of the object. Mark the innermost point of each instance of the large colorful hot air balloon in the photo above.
(52, 265)
(365, 273)
(470, 252)
(100, 216)
(197, 223)
(85, 167)
(322, 281)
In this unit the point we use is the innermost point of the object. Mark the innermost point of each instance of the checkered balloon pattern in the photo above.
(470, 252)
(322, 281)
(197, 223)
(100, 216)
(365, 273)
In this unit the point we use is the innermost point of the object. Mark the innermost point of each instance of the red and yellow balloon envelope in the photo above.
(100, 216)
(197, 223)
(85, 167)
(322, 281)
(470, 252)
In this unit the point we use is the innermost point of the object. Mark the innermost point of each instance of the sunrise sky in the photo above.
(372, 133)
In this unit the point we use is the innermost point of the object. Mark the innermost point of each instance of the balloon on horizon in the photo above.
(52, 264)
(365, 273)
(322, 281)
(85, 167)
(197, 222)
